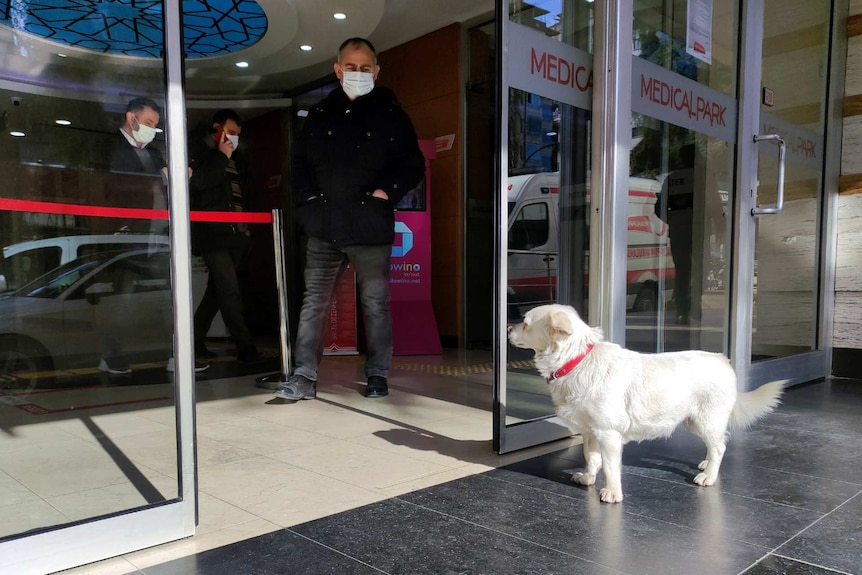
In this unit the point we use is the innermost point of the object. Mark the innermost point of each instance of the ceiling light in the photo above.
(306, 48)
(61, 55)
(17, 134)
(340, 16)
(302, 113)
(242, 64)
(62, 122)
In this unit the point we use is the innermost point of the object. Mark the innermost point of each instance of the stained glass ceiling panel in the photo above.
(134, 27)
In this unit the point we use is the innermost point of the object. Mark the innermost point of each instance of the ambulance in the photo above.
(534, 231)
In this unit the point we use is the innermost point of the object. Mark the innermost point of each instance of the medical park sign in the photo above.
(662, 94)
(544, 66)
(541, 65)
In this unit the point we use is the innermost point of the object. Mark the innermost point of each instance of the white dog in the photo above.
(611, 395)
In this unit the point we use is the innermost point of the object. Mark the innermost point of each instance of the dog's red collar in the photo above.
(570, 365)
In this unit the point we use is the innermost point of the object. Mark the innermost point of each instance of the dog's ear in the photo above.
(561, 325)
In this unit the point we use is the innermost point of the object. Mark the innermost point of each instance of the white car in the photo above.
(25, 261)
(62, 320)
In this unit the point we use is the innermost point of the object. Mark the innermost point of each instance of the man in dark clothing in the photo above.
(356, 158)
(216, 185)
(132, 156)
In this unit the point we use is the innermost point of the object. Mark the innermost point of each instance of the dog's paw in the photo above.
(704, 479)
(703, 464)
(583, 479)
(610, 496)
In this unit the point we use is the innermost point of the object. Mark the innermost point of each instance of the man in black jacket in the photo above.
(132, 155)
(356, 158)
(216, 185)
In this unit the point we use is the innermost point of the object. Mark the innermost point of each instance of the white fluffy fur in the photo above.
(616, 395)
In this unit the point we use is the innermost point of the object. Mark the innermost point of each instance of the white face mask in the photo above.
(144, 134)
(233, 140)
(357, 84)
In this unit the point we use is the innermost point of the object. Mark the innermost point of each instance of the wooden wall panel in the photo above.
(425, 74)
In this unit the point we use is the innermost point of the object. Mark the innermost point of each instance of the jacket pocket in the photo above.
(310, 216)
(374, 222)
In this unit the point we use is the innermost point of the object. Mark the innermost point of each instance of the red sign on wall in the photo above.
(340, 336)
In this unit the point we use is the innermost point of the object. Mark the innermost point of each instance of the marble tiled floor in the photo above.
(410, 484)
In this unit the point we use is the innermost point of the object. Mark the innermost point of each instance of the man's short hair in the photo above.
(223, 116)
(357, 42)
(138, 104)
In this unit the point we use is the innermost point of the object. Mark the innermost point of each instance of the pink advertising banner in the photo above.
(414, 327)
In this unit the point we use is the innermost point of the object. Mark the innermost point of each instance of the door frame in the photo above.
(87, 541)
(816, 364)
(610, 92)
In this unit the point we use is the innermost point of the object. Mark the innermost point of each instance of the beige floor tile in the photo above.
(281, 493)
(115, 566)
(32, 433)
(114, 426)
(199, 543)
(30, 515)
(215, 514)
(12, 492)
(426, 446)
(360, 465)
(399, 406)
(259, 436)
(325, 417)
(83, 464)
(112, 498)
(214, 453)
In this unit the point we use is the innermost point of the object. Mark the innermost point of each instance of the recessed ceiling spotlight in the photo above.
(62, 122)
(61, 55)
(242, 64)
(306, 48)
(17, 134)
(340, 16)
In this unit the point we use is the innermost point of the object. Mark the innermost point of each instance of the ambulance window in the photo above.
(530, 227)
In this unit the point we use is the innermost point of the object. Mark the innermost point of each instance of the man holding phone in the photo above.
(216, 185)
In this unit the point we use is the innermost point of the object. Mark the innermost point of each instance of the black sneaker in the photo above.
(297, 387)
(377, 386)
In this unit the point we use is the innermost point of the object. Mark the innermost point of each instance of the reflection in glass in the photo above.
(84, 281)
(663, 35)
(547, 197)
(786, 264)
(678, 226)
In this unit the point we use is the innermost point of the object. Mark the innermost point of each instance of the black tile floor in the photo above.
(789, 501)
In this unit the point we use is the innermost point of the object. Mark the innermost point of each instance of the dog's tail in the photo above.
(756, 403)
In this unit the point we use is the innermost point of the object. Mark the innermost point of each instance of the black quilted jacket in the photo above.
(348, 149)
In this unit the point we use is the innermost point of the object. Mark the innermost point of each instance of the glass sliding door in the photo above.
(96, 449)
(794, 55)
(543, 203)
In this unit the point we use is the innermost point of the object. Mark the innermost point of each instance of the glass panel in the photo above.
(681, 175)
(795, 52)
(87, 271)
(696, 39)
(549, 143)
(678, 222)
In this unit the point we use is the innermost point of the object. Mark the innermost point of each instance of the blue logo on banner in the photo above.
(406, 240)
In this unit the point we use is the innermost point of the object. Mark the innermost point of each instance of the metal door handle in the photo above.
(779, 200)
